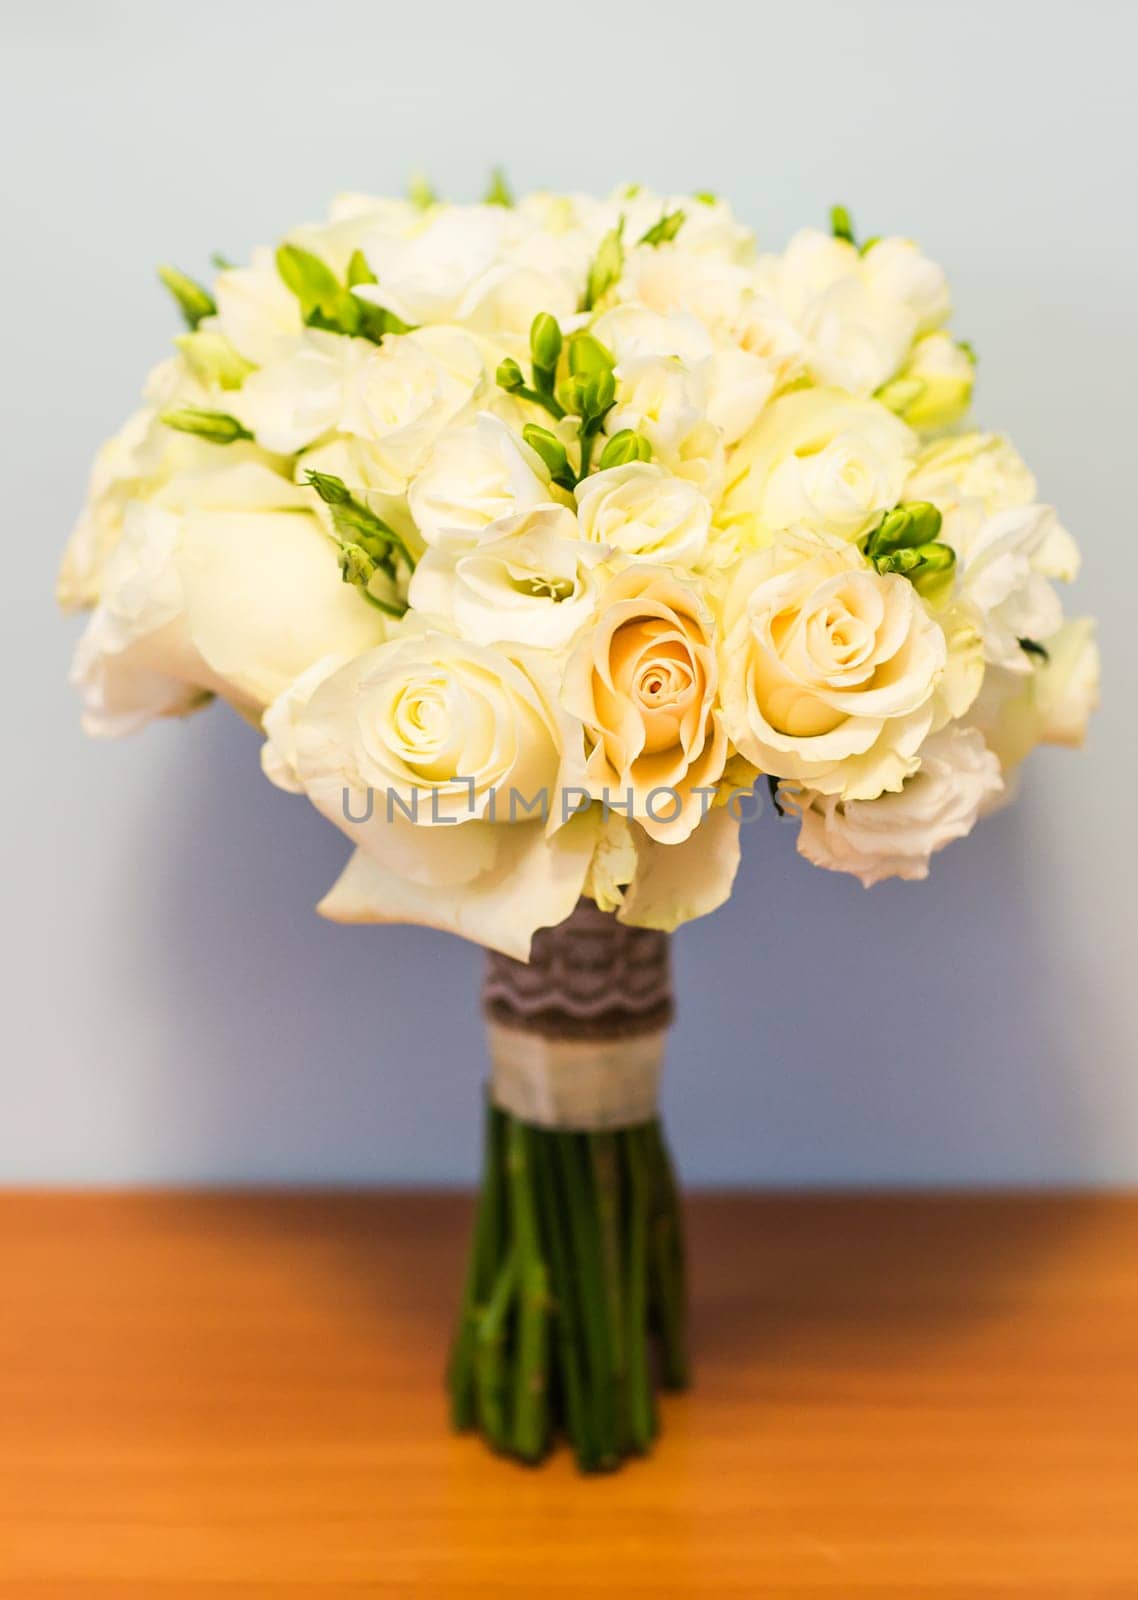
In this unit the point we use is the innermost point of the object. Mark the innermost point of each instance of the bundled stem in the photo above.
(575, 1280)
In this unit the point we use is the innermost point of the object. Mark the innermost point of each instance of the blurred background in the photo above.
(174, 1011)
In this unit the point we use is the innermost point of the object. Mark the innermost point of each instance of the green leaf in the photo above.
(324, 302)
(359, 271)
(841, 224)
(665, 230)
(192, 300)
(606, 267)
(499, 192)
(215, 426)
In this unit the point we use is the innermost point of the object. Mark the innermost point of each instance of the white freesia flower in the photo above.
(934, 387)
(855, 337)
(829, 669)
(644, 512)
(300, 394)
(895, 835)
(222, 585)
(667, 402)
(421, 751)
(817, 459)
(255, 311)
(968, 468)
(478, 473)
(405, 392)
(1005, 570)
(1050, 705)
(528, 579)
(895, 270)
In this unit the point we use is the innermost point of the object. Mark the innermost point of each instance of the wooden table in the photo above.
(240, 1396)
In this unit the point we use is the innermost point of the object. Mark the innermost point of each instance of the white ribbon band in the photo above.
(575, 1084)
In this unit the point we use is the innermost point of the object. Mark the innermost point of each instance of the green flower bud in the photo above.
(356, 565)
(215, 426)
(841, 224)
(193, 301)
(333, 491)
(664, 231)
(213, 359)
(499, 192)
(606, 268)
(509, 375)
(588, 355)
(903, 561)
(706, 197)
(552, 452)
(545, 347)
(598, 394)
(913, 523)
(421, 192)
(624, 447)
(934, 577)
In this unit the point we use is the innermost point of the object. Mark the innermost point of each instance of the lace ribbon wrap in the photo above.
(577, 1035)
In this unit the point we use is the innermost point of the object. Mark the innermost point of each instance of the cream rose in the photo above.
(447, 763)
(817, 459)
(478, 473)
(895, 835)
(643, 681)
(529, 579)
(221, 584)
(829, 668)
(643, 512)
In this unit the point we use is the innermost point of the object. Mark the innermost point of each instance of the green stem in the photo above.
(642, 1411)
(605, 1163)
(585, 1253)
(669, 1286)
(485, 1250)
(530, 1409)
(490, 1360)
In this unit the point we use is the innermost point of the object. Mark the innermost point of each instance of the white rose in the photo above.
(420, 751)
(222, 584)
(829, 668)
(279, 755)
(894, 835)
(643, 681)
(406, 391)
(478, 473)
(529, 579)
(300, 394)
(643, 512)
(817, 459)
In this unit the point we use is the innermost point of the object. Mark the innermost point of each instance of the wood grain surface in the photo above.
(241, 1396)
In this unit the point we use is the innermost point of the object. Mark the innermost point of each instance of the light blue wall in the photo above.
(173, 1010)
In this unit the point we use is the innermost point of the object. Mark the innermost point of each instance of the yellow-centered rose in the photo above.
(643, 681)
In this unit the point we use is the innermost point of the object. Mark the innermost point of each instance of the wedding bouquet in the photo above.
(544, 541)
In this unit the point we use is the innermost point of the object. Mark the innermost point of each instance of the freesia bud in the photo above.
(624, 447)
(509, 375)
(552, 452)
(193, 301)
(214, 426)
(545, 346)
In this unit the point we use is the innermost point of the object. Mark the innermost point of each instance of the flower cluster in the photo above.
(586, 500)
